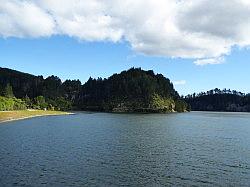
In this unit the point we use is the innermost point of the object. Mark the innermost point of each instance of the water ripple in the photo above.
(98, 149)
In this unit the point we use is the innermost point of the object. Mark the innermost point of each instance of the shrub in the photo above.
(11, 104)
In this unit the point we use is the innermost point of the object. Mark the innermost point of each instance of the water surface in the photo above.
(100, 149)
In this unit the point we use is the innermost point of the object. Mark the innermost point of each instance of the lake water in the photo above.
(100, 149)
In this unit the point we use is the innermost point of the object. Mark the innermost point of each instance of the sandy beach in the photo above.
(6, 116)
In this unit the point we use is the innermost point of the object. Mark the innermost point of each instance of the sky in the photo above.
(198, 44)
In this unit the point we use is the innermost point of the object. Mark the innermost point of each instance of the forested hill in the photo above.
(219, 100)
(134, 90)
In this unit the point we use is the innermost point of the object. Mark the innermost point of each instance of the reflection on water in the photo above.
(99, 149)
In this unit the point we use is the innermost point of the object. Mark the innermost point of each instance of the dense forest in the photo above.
(134, 90)
(219, 100)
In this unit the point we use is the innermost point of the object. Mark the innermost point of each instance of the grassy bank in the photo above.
(22, 114)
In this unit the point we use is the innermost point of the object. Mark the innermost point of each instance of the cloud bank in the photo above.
(204, 30)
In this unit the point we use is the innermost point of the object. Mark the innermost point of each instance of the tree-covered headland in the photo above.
(219, 100)
(134, 90)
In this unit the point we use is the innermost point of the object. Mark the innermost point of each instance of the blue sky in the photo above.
(199, 45)
(70, 59)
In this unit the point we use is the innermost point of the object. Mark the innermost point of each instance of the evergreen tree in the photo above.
(27, 101)
(8, 92)
(40, 102)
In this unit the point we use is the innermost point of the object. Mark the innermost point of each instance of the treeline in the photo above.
(134, 90)
(8, 101)
(219, 100)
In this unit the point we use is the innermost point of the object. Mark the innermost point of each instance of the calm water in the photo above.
(99, 149)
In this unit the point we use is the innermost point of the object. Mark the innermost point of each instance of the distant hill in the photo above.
(219, 100)
(134, 90)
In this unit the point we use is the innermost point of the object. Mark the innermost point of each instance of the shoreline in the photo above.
(26, 114)
(220, 112)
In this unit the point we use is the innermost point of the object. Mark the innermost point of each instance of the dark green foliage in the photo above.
(8, 92)
(22, 83)
(51, 87)
(59, 103)
(219, 100)
(63, 104)
(27, 101)
(70, 90)
(35, 90)
(132, 90)
(40, 103)
(180, 104)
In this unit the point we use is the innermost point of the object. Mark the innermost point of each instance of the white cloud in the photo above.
(198, 29)
(179, 82)
(24, 19)
(202, 62)
(86, 20)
